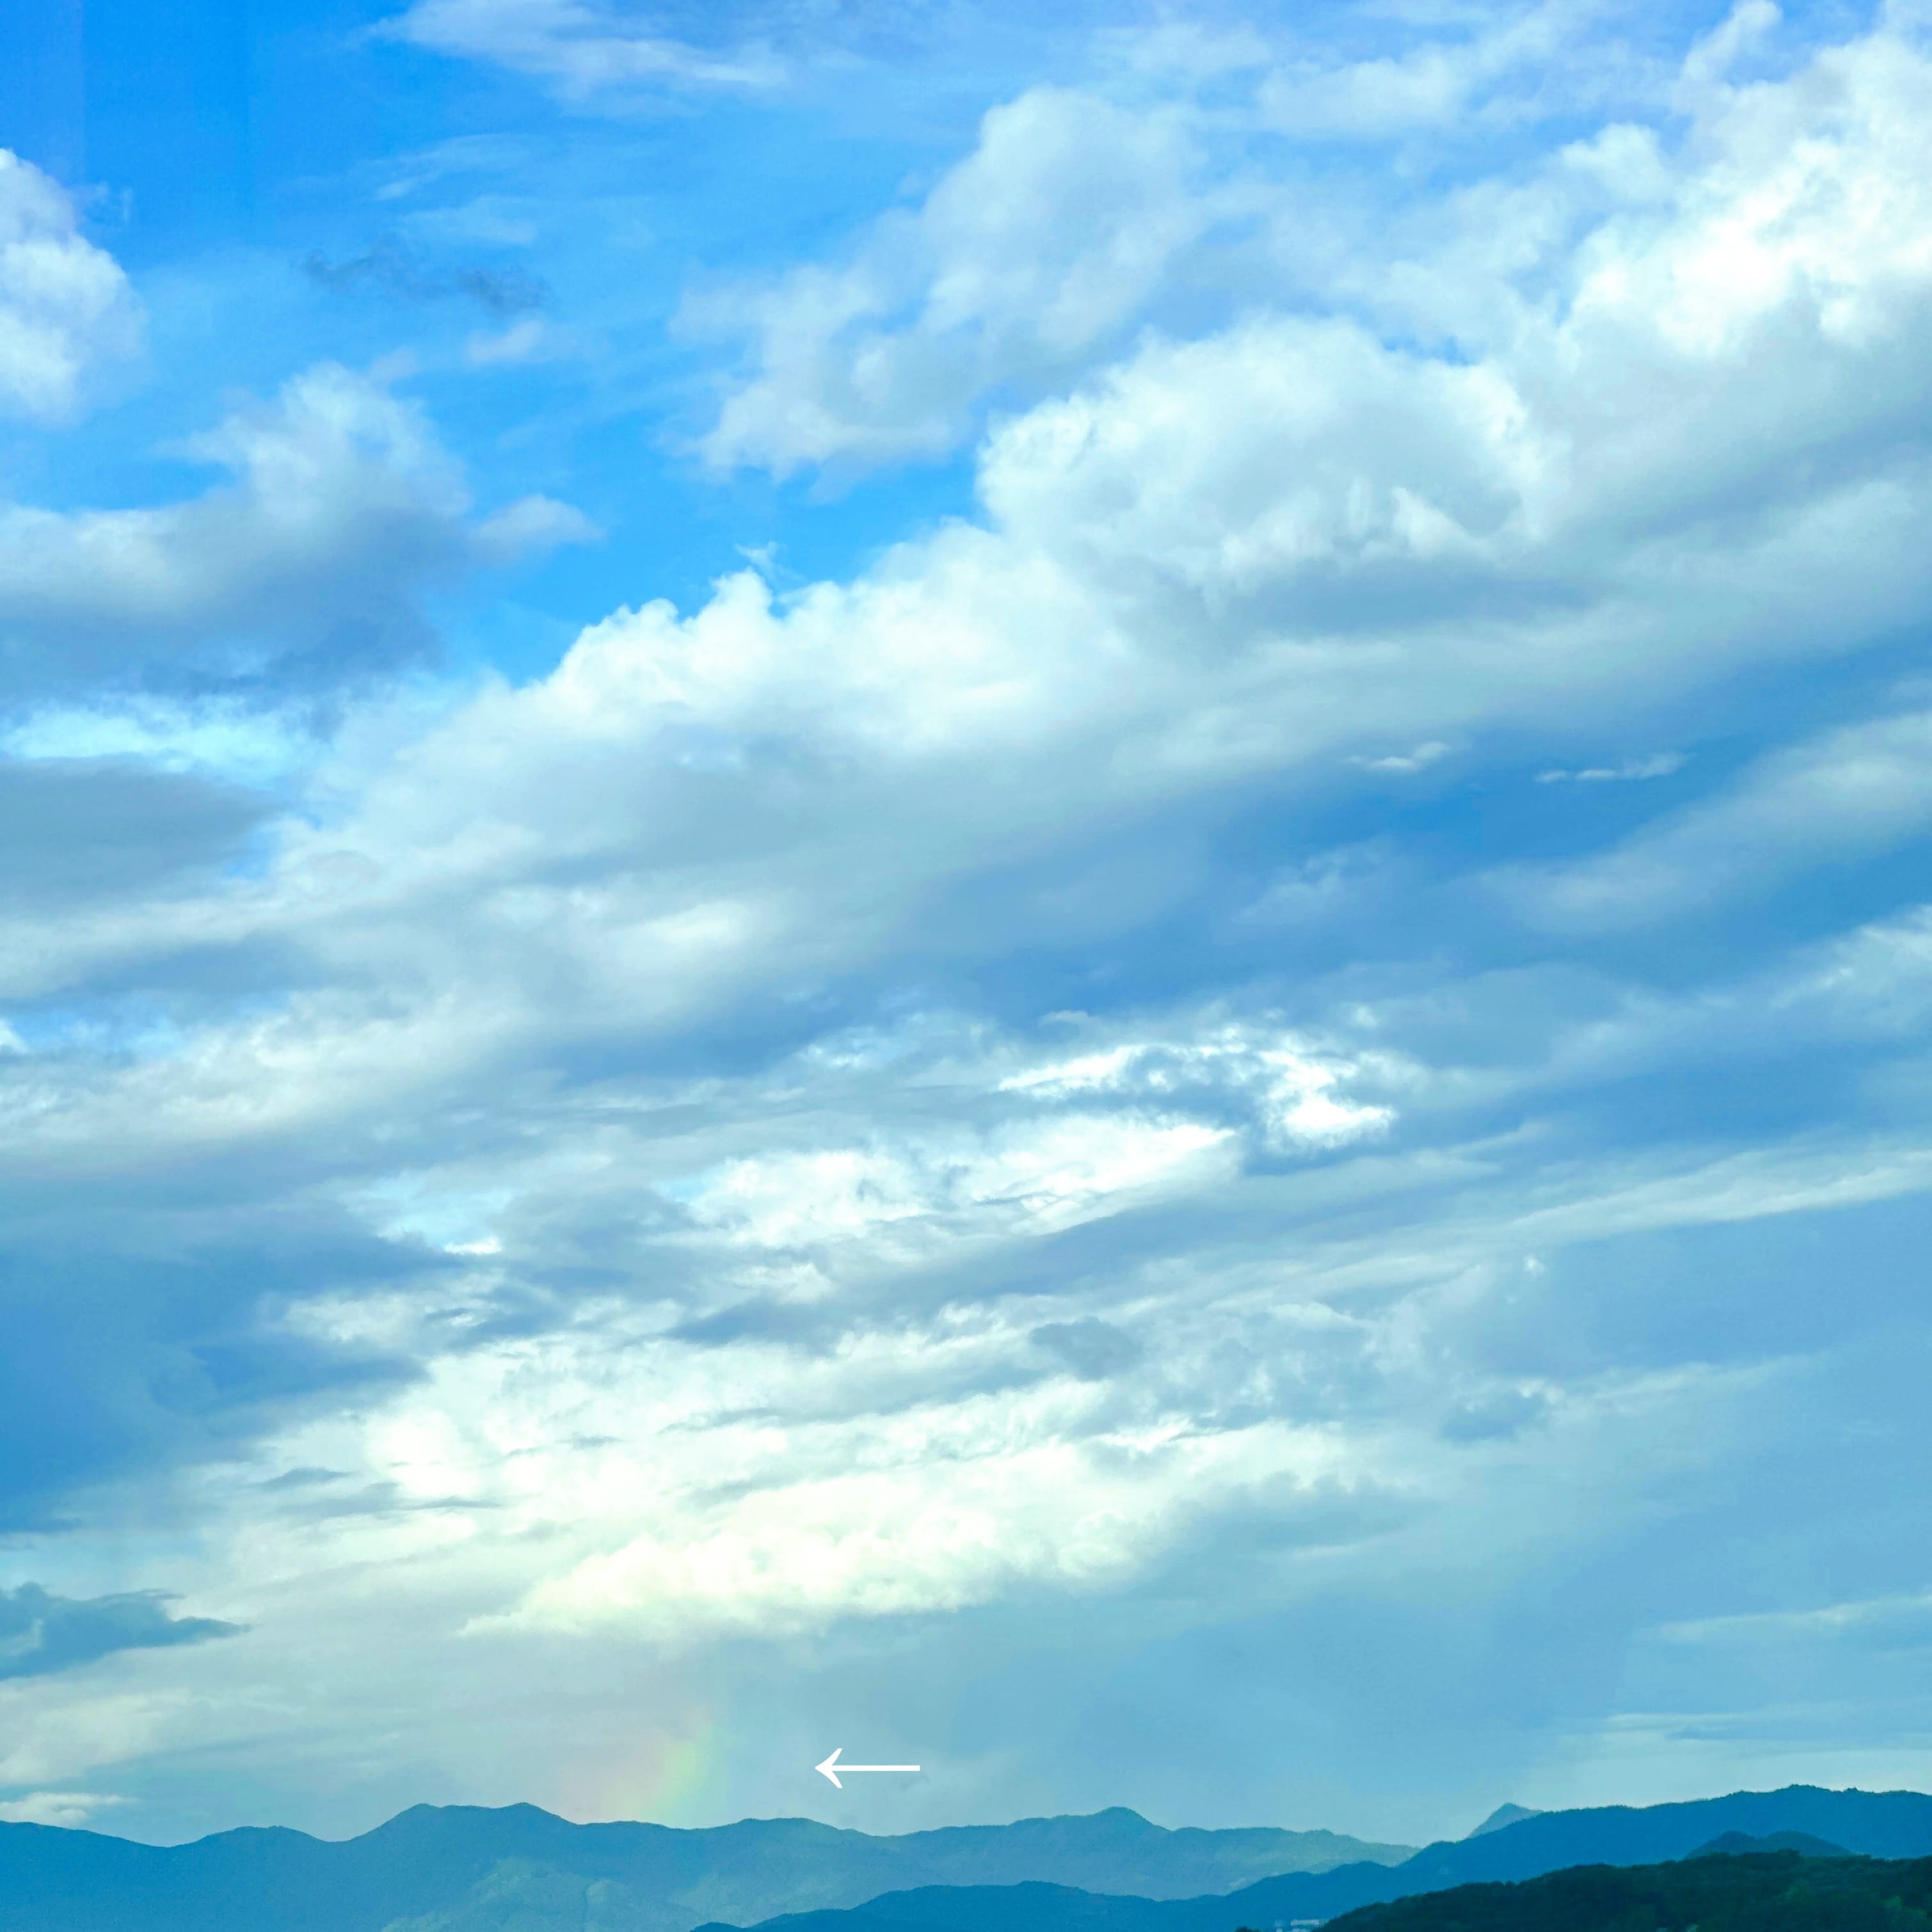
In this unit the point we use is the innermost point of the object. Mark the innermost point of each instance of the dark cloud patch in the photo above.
(303, 1479)
(1094, 1350)
(316, 1494)
(167, 1345)
(383, 1498)
(41, 1633)
(759, 1321)
(73, 830)
(302, 573)
(1494, 1417)
(402, 275)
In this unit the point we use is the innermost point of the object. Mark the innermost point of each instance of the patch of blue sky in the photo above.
(113, 1027)
(604, 223)
(228, 739)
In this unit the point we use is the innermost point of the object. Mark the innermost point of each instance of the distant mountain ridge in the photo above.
(1503, 1814)
(647, 1878)
(521, 1870)
(1885, 1825)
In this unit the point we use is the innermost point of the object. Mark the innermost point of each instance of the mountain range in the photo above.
(646, 1878)
(1887, 1824)
(463, 1869)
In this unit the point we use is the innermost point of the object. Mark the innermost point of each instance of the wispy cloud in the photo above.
(66, 1809)
(1849, 794)
(1658, 765)
(583, 49)
(399, 271)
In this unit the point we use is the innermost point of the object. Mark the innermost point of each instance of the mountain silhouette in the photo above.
(464, 1869)
(1503, 1814)
(1884, 1824)
(433, 1860)
(1782, 1891)
(1741, 1844)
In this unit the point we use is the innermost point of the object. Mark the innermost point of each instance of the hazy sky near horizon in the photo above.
(1043, 889)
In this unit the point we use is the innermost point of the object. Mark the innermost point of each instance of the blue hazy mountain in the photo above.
(1884, 1824)
(521, 1870)
(1873, 1824)
(1503, 1814)
(523, 1865)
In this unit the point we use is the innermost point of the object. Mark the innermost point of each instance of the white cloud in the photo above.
(1401, 764)
(64, 304)
(1292, 1090)
(580, 48)
(1026, 258)
(1440, 86)
(1877, 979)
(343, 507)
(54, 1735)
(1785, 229)
(1041, 1176)
(944, 1532)
(531, 340)
(67, 1809)
(1657, 765)
(1221, 558)
(1891, 1622)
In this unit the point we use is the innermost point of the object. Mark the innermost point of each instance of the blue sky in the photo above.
(1047, 897)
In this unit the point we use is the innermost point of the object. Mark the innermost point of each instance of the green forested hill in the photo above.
(1771, 1891)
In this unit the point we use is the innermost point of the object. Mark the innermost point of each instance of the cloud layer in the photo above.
(1062, 1140)
(341, 512)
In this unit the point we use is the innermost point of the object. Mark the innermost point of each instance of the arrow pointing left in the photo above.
(831, 1768)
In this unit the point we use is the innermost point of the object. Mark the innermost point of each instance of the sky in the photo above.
(1042, 889)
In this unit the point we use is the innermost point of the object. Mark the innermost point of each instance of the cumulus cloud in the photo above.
(343, 509)
(64, 303)
(41, 1633)
(1654, 262)
(1023, 261)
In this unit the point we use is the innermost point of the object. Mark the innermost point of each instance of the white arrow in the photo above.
(832, 1767)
